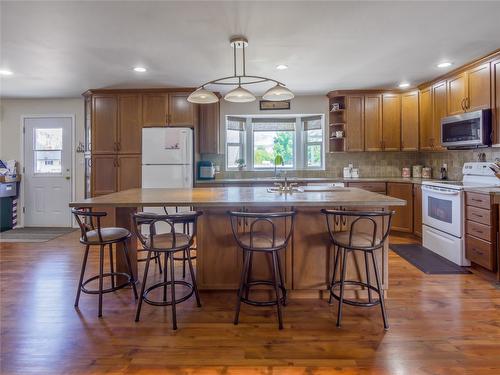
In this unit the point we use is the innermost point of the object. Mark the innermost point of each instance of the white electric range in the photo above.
(443, 211)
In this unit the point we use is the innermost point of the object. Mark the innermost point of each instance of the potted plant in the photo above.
(241, 163)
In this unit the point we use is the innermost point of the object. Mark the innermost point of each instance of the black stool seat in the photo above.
(357, 241)
(168, 244)
(92, 234)
(263, 236)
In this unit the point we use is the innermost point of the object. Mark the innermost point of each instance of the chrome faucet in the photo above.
(286, 187)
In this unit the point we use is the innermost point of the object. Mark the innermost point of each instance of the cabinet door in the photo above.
(181, 112)
(104, 124)
(373, 122)
(478, 84)
(354, 124)
(209, 128)
(129, 124)
(495, 86)
(457, 94)
(439, 105)
(409, 121)
(103, 177)
(417, 210)
(391, 122)
(425, 116)
(403, 218)
(154, 109)
(129, 172)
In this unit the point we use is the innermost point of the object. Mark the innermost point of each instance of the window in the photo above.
(235, 141)
(255, 141)
(48, 150)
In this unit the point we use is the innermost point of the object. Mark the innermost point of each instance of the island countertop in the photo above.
(235, 196)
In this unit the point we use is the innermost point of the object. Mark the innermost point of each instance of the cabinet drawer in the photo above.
(479, 215)
(377, 187)
(478, 200)
(480, 252)
(485, 232)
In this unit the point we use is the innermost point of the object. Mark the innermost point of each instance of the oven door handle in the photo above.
(443, 192)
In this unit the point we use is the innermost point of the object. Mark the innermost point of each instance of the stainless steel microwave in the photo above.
(467, 130)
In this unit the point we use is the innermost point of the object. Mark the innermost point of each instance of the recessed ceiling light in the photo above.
(404, 84)
(139, 69)
(5, 72)
(444, 64)
(281, 67)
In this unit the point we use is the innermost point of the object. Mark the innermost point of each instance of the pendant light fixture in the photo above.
(240, 94)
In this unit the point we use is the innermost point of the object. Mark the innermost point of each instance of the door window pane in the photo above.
(48, 162)
(48, 139)
(48, 150)
(268, 144)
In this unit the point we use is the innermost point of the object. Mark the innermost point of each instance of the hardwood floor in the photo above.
(446, 324)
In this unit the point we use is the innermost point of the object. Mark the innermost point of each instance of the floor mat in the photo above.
(426, 260)
(33, 234)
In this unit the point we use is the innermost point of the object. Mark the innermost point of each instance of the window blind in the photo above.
(312, 122)
(273, 124)
(236, 123)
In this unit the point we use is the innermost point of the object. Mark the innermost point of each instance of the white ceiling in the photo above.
(60, 49)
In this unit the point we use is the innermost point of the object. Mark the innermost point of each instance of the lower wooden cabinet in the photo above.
(112, 173)
(402, 221)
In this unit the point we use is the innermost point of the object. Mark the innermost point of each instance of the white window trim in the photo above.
(300, 149)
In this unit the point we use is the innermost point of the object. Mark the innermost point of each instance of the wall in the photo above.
(370, 164)
(11, 111)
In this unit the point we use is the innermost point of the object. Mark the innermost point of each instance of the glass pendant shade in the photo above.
(202, 96)
(278, 93)
(239, 95)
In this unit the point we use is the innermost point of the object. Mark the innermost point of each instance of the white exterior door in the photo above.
(47, 171)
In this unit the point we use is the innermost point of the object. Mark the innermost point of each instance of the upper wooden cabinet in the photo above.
(409, 121)
(391, 122)
(104, 124)
(495, 88)
(181, 112)
(354, 123)
(469, 90)
(172, 109)
(209, 128)
(129, 124)
(373, 122)
(154, 109)
(439, 110)
(425, 115)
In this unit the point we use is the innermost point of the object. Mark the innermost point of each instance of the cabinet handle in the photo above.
(119, 146)
(117, 162)
(462, 104)
(467, 103)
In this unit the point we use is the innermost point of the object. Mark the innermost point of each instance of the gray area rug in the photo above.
(426, 260)
(33, 234)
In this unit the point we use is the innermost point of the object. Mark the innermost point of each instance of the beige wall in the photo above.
(11, 111)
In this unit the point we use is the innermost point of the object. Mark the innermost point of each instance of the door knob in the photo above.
(68, 178)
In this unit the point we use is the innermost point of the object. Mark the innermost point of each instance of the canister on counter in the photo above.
(406, 172)
(417, 171)
(426, 172)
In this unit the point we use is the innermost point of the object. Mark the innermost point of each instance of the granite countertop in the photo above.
(239, 196)
(312, 180)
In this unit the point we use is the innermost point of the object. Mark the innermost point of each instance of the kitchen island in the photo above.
(308, 259)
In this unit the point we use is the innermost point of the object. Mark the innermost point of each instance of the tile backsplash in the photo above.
(375, 164)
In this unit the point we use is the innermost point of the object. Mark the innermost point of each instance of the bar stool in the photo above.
(265, 241)
(168, 244)
(351, 241)
(95, 235)
(186, 229)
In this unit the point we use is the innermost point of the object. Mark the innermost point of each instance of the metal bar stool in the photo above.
(351, 241)
(186, 229)
(92, 234)
(264, 241)
(168, 244)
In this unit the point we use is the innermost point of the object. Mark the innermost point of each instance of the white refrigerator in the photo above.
(167, 157)
(167, 162)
